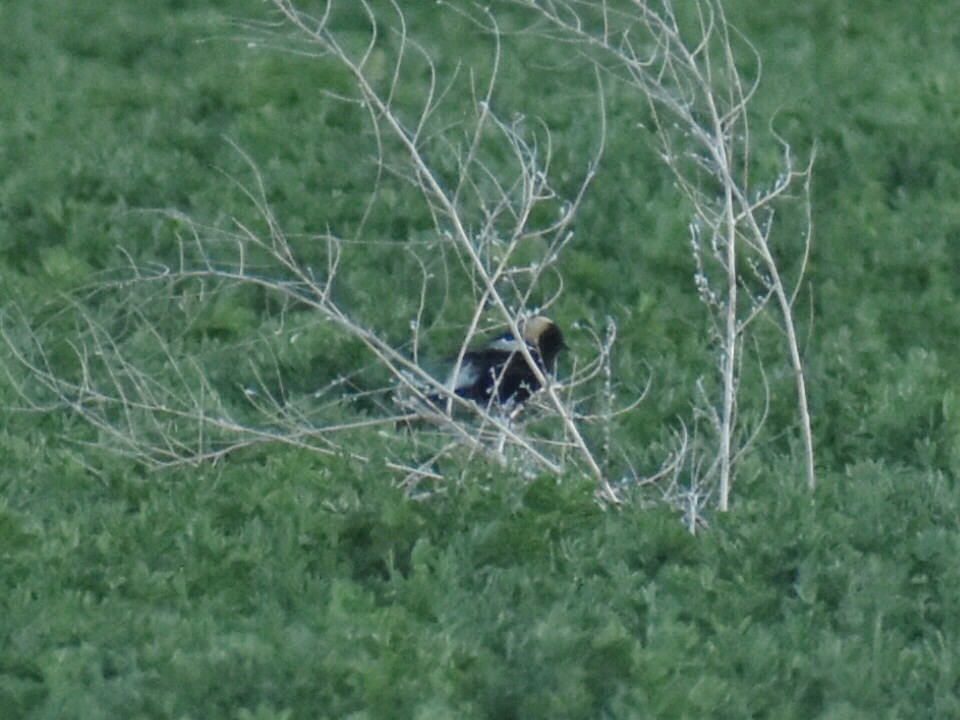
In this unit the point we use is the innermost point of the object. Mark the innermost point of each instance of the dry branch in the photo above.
(687, 71)
(142, 381)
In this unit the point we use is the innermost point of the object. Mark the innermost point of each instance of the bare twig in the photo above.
(698, 99)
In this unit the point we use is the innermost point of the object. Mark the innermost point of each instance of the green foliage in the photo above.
(280, 584)
(290, 584)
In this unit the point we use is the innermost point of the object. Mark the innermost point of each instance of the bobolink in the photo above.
(498, 372)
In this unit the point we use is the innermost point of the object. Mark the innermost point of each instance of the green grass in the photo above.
(283, 584)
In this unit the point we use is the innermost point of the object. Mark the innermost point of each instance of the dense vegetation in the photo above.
(279, 583)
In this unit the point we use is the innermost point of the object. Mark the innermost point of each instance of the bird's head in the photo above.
(543, 334)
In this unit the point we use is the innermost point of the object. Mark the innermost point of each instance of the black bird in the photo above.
(498, 373)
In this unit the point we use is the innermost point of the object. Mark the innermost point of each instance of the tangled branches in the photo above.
(138, 357)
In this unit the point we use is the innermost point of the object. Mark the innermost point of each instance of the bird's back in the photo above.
(498, 375)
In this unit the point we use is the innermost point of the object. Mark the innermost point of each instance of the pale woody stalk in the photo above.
(698, 102)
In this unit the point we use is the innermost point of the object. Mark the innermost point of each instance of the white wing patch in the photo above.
(466, 377)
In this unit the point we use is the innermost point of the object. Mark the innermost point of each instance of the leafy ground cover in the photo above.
(282, 584)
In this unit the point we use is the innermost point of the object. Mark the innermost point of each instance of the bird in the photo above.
(498, 373)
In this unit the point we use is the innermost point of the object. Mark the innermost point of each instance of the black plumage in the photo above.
(498, 373)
